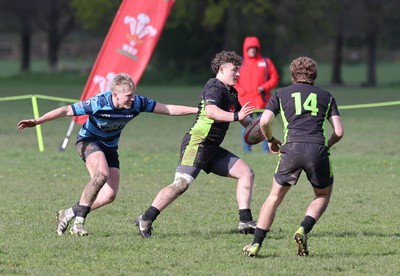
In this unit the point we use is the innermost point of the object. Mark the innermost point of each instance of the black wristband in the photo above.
(271, 140)
(235, 116)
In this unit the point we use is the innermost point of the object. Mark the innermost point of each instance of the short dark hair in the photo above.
(225, 57)
(303, 69)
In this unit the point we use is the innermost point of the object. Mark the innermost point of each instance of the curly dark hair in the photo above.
(303, 69)
(225, 57)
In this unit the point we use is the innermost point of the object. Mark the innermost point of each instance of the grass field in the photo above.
(197, 235)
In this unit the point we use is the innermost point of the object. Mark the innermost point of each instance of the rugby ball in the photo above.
(252, 133)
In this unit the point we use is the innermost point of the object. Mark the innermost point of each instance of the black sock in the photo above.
(308, 223)
(259, 235)
(245, 215)
(81, 210)
(151, 214)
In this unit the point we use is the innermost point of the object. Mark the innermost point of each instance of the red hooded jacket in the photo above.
(255, 72)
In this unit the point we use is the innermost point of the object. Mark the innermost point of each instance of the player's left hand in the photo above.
(246, 110)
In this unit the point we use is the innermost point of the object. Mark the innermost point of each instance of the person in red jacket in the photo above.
(258, 76)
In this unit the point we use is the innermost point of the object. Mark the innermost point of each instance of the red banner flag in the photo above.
(128, 45)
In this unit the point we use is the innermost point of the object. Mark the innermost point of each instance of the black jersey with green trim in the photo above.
(305, 109)
(214, 93)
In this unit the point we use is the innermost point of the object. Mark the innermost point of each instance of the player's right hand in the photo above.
(26, 123)
(275, 146)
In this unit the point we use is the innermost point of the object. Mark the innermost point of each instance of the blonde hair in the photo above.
(122, 82)
(303, 69)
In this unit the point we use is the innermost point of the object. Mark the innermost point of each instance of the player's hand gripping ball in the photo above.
(252, 133)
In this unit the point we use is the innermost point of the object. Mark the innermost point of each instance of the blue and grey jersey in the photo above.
(105, 121)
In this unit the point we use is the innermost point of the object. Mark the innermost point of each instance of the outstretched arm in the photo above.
(174, 110)
(338, 130)
(49, 116)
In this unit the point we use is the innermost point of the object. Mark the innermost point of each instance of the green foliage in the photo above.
(213, 15)
(197, 234)
(257, 7)
(95, 14)
(196, 30)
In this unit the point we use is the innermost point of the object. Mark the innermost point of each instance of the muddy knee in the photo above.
(181, 183)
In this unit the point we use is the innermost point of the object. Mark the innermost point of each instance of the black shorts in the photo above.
(208, 157)
(86, 147)
(310, 157)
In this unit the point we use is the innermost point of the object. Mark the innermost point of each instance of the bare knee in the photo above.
(275, 198)
(324, 194)
(111, 197)
(249, 176)
(242, 172)
(277, 194)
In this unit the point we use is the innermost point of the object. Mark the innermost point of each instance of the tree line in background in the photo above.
(335, 30)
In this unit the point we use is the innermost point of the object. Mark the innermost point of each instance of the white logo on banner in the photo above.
(104, 83)
(139, 27)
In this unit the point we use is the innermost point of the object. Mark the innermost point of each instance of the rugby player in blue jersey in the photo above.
(201, 146)
(305, 109)
(97, 143)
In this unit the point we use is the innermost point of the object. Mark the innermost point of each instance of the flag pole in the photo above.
(65, 142)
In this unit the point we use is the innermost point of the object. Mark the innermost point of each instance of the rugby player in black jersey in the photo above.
(201, 150)
(305, 109)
